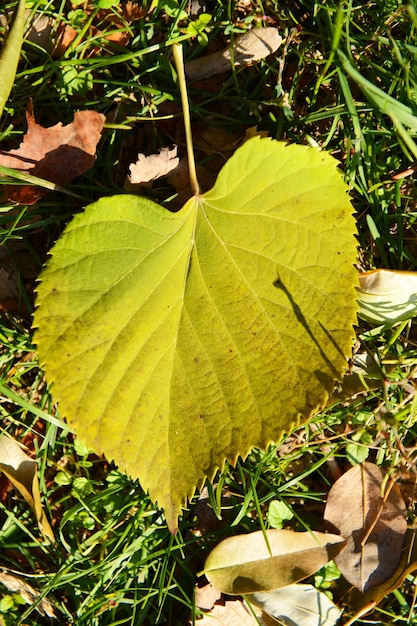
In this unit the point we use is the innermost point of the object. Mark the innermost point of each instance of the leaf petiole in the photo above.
(179, 64)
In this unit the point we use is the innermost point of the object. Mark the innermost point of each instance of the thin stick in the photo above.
(179, 64)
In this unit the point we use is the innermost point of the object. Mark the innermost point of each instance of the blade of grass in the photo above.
(31, 408)
(10, 54)
(401, 115)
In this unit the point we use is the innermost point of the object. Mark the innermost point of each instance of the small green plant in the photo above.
(197, 28)
(99, 4)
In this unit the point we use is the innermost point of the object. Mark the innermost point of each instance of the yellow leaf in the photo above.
(263, 561)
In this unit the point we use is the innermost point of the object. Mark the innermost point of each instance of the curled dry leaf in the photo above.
(249, 48)
(15, 584)
(21, 470)
(149, 168)
(57, 154)
(373, 524)
(387, 296)
(265, 561)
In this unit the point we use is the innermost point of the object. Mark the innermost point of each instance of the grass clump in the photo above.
(114, 561)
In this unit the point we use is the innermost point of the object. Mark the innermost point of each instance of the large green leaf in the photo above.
(10, 53)
(178, 340)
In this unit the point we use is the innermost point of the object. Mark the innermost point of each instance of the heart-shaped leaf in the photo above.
(265, 561)
(178, 340)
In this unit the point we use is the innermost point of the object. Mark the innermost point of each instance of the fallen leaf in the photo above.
(27, 592)
(57, 154)
(206, 596)
(21, 470)
(212, 139)
(18, 270)
(149, 168)
(264, 561)
(45, 32)
(252, 336)
(373, 524)
(232, 613)
(407, 565)
(387, 296)
(297, 604)
(254, 45)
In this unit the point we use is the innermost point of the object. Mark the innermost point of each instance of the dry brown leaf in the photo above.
(16, 584)
(149, 168)
(407, 565)
(212, 139)
(206, 596)
(179, 178)
(373, 525)
(21, 470)
(57, 154)
(113, 23)
(44, 31)
(127, 12)
(18, 270)
(232, 613)
(254, 45)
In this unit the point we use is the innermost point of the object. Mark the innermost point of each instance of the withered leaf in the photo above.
(16, 584)
(267, 560)
(249, 48)
(300, 604)
(407, 565)
(231, 613)
(206, 596)
(370, 515)
(21, 470)
(57, 154)
(149, 168)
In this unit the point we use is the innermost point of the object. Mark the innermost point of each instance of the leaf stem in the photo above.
(179, 64)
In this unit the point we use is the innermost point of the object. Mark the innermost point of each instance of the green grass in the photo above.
(114, 561)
